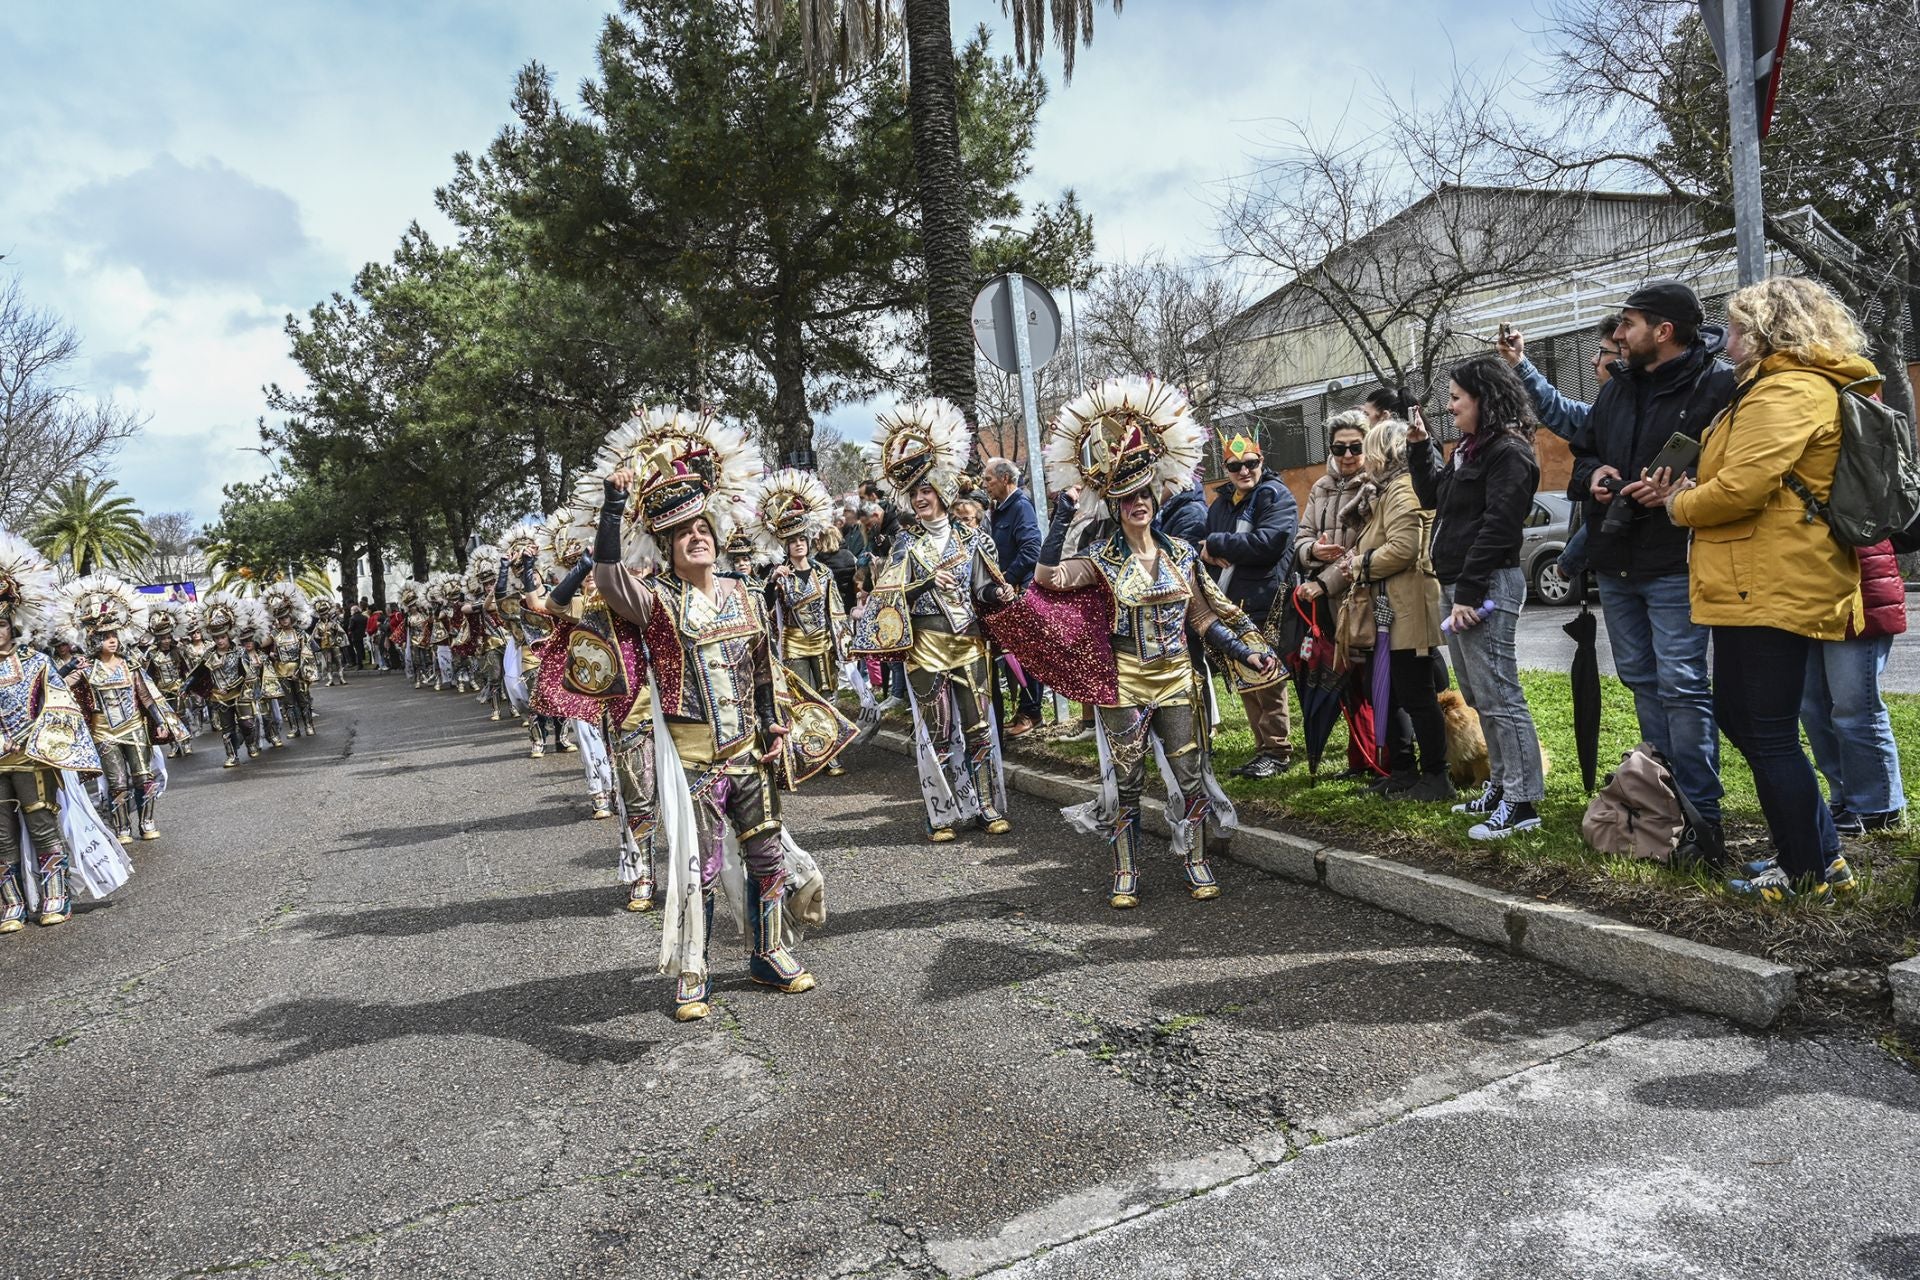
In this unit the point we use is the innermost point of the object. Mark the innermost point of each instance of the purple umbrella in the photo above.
(1382, 677)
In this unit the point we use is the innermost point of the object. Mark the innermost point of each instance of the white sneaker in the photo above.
(1486, 802)
(1506, 820)
(891, 704)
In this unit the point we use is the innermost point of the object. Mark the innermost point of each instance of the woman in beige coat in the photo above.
(1390, 562)
(1765, 575)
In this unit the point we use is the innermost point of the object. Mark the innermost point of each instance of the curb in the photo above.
(1743, 988)
(1904, 978)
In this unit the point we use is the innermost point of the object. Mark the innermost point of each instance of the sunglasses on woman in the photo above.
(1345, 450)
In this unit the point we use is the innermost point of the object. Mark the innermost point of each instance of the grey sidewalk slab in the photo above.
(1679, 1149)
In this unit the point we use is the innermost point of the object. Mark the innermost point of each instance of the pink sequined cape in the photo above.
(1062, 639)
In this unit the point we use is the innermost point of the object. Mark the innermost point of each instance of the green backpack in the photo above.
(1876, 481)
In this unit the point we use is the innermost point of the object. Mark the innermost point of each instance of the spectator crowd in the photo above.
(1729, 606)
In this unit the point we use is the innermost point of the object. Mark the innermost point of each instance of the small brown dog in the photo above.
(1467, 745)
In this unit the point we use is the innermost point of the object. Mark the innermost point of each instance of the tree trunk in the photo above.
(417, 551)
(377, 570)
(946, 239)
(792, 423)
(349, 575)
(543, 463)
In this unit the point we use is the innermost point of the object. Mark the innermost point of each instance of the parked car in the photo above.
(1548, 527)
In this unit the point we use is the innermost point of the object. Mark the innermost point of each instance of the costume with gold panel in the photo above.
(42, 731)
(226, 676)
(1126, 437)
(715, 705)
(803, 601)
(290, 652)
(924, 610)
(116, 695)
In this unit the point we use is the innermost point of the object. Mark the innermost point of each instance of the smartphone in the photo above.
(1679, 454)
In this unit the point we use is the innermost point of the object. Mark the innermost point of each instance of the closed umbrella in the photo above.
(1585, 675)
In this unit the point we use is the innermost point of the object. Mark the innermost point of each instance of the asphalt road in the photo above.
(1544, 646)
(371, 1008)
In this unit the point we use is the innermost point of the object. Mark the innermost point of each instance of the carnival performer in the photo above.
(924, 608)
(193, 645)
(168, 666)
(486, 629)
(329, 641)
(439, 589)
(42, 731)
(525, 632)
(415, 604)
(117, 697)
(716, 708)
(1130, 443)
(791, 510)
(616, 743)
(290, 652)
(225, 677)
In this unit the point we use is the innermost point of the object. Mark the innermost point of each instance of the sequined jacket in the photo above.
(228, 674)
(1152, 613)
(41, 723)
(807, 609)
(710, 658)
(114, 700)
(293, 654)
(169, 668)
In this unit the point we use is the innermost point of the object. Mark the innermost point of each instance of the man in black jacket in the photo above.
(1673, 382)
(1250, 531)
(1016, 537)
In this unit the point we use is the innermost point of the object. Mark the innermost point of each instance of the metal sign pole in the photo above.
(1023, 351)
(1743, 118)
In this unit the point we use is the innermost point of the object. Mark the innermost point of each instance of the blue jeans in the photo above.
(1847, 725)
(1486, 661)
(1661, 656)
(1759, 677)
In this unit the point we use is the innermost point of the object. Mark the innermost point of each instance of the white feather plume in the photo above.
(1160, 406)
(933, 424)
(26, 576)
(638, 442)
(103, 602)
(286, 599)
(773, 505)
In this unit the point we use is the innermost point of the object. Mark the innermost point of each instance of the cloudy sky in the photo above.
(180, 176)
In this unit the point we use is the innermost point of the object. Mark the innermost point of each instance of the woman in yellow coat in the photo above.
(1768, 580)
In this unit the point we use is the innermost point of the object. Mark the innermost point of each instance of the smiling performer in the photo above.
(108, 613)
(418, 607)
(42, 731)
(1133, 442)
(290, 651)
(791, 509)
(715, 703)
(924, 608)
(224, 677)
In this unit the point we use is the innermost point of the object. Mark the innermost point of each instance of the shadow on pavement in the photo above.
(548, 1015)
(507, 909)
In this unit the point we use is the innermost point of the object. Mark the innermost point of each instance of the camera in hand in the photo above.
(1621, 511)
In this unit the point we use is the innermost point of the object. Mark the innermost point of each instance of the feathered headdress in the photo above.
(483, 569)
(164, 620)
(412, 594)
(186, 615)
(226, 614)
(790, 503)
(925, 442)
(101, 604)
(521, 540)
(685, 467)
(325, 608)
(286, 604)
(1126, 436)
(442, 587)
(29, 592)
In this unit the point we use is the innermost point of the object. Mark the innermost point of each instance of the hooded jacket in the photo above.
(1333, 508)
(1757, 560)
(1185, 516)
(1629, 424)
(1261, 553)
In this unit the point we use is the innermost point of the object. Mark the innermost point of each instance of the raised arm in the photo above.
(626, 592)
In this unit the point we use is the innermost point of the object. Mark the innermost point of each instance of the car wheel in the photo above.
(1550, 586)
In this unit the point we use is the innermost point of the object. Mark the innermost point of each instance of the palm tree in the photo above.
(83, 519)
(234, 568)
(836, 34)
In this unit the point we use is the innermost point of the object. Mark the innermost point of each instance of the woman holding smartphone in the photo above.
(1481, 496)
